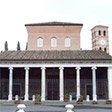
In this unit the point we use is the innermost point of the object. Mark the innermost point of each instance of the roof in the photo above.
(55, 24)
(68, 56)
(99, 26)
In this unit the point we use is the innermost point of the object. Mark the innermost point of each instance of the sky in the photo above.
(14, 14)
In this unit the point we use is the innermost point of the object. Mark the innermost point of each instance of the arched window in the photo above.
(105, 49)
(104, 33)
(99, 32)
(40, 42)
(53, 42)
(67, 42)
(100, 48)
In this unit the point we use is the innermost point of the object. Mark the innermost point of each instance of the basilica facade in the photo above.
(54, 64)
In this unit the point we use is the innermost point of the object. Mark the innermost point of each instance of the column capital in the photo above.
(26, 68)
(43, 68)
(10, 68)
(61, 68)
(94, 68)
(78, 68)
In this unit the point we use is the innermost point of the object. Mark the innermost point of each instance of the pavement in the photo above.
(56, 106)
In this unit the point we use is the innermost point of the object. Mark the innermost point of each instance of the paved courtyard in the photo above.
(56, 107)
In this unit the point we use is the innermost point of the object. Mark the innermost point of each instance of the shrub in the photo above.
(80, 99)
(37, 98)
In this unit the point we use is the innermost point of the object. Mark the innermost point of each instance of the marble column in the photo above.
(61, 86)
(26, 84)
(78, 81)
(43, 84)
(94, 83)
(10, 83)
(109, 75)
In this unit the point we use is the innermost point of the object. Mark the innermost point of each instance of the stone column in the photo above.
(26, 84)
(110, 83)
(61, 81)
(43, 83)
(78, 81)
(10, 83)
(94, 83)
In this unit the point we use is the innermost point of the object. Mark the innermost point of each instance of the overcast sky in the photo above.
(14, 14)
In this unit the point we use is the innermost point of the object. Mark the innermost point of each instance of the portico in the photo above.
(63, 76)
(53, 75)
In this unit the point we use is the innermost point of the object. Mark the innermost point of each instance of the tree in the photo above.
(6, 46)
(18, 46)
(26, 46)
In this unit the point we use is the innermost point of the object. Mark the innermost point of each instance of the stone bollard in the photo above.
(33, 98)
(21, 108)
(70, 98)
(16, 97)
(69, 108)
(87, 98)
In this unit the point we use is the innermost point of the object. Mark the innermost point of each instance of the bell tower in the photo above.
(100, 39)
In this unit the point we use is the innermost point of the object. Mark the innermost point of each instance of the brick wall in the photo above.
(60, 32)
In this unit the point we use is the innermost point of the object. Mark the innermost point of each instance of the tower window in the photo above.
(104, 33)
(53, 42)
(99, 32)
(67, 42)
(105, 49)
(40, 42)
(100, 48)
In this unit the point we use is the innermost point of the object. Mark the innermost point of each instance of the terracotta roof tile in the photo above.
(69, 55)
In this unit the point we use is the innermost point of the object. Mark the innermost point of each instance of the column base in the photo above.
(61, 98)
(26, 98)
(94, 97)
(42, 99)
(9, 97)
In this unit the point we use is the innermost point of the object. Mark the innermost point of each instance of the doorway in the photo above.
(16, 89)
(89, 90)
(52, 84)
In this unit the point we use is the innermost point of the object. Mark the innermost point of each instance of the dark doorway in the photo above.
(19, 82)
(4, 83)
(89, 91)
(52, 84)
(70, 82)
(16, 89)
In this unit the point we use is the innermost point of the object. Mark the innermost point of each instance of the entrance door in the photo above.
(53, 89)
(89, 91)
(16, 89)
(52, 84)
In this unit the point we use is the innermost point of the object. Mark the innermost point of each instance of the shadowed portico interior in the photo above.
(52, 82)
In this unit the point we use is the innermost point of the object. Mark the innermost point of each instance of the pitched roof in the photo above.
(100, 26)
(54, 24)
(75, 56)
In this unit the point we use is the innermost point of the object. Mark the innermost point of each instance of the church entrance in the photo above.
(52, 80)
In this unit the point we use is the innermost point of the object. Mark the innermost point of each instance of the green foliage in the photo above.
(18, 46)
(66, 97)
(37, 98)
(26, 46)
(6, 46)
(81, 98)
